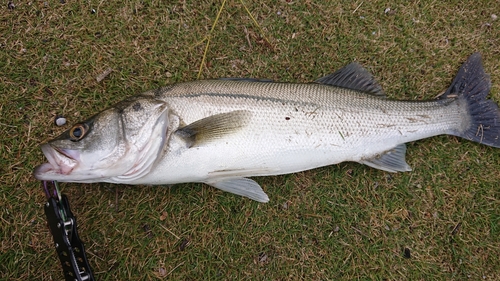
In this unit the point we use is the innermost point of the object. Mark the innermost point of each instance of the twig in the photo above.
(7, 125)
(116, 200)
(174, 268)
(247, 36)
(357, 7)
(104, 74)
(361, 233)
(208, 39)
(170, 232)
(29, 132)
(456, 228)
(255, 22)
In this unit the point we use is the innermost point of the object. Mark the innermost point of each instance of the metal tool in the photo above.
(62, 224)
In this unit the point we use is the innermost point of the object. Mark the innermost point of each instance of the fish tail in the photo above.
(470, 87)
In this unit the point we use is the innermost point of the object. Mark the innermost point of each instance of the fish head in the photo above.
(119, 144)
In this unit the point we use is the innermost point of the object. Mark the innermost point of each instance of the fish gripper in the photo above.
(62, 225)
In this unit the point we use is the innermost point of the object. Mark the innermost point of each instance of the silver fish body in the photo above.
(222, 131)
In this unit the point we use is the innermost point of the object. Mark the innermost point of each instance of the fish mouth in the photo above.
(61, 163)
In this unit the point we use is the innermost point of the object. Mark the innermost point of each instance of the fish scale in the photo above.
(220, 132)
(343, 114)
(271, 144)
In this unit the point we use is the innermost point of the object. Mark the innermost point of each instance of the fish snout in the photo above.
(62, 161)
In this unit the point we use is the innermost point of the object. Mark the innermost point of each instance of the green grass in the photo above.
(345, 221)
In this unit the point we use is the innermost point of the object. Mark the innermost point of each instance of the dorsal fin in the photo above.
(353, 76)
(214, 127)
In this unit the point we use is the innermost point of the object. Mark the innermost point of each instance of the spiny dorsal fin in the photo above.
(391, 161)
(353, 76)
(214, 127)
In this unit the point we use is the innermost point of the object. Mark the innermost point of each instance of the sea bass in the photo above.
(220, 132)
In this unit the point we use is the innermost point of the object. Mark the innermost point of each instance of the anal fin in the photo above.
(392, 160)
(241, 186)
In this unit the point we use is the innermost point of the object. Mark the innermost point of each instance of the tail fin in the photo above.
(472, 85)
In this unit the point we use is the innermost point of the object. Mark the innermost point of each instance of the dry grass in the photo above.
(341, 222)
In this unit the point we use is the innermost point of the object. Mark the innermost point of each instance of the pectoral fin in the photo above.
(241, 186)
(391, 161)
(214, 127)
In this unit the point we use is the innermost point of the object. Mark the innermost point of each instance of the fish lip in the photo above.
(60, 162)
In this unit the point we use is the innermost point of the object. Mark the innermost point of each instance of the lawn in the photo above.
(343, 222)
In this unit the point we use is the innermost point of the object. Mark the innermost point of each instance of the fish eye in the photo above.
(78, 132)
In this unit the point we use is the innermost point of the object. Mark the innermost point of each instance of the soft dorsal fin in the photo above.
(392, 160)
(353, 76)
(214, 127)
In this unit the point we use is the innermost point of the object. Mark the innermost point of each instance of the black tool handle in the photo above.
(68, 245)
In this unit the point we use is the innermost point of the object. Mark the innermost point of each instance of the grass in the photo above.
(439, 222)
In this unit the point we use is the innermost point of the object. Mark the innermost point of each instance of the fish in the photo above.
(221, 132)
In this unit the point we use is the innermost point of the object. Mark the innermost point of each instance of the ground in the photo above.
(348, 221)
